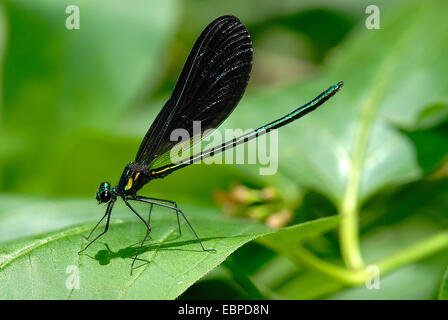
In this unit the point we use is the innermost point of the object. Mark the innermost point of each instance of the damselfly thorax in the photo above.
(133, 178)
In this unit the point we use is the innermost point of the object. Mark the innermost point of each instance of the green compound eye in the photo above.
(103, 194)
(105, 186)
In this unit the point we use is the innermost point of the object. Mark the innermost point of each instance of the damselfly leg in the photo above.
(173, 203)
(148, 230)
(110, 205)
(178, 211)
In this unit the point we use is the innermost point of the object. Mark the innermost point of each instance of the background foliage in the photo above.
(362, 181)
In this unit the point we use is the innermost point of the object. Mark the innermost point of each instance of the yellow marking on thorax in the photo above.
(129, 184)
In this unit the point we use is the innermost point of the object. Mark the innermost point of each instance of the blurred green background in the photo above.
(75, 105)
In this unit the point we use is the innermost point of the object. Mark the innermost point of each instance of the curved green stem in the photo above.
(349, 237)
(350, 277)
(349, 230)
(414, 253)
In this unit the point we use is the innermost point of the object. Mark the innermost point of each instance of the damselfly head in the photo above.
(104, 193)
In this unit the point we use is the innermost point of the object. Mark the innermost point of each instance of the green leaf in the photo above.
(35, 268)
(286, 240)
(443, 292)
(288, 243)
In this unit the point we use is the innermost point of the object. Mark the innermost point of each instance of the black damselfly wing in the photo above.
(209, 87)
